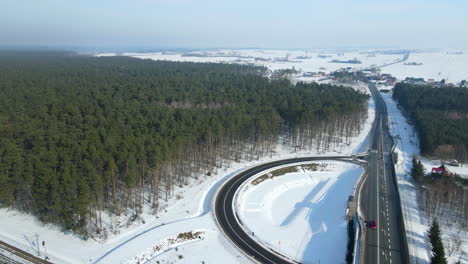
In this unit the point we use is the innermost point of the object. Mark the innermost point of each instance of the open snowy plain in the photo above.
(433, 64)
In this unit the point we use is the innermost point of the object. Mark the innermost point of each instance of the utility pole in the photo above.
(37, 243)
(45, 250)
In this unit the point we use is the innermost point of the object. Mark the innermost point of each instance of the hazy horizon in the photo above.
(207, 24)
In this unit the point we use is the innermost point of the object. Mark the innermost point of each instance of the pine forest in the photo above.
(81, 135)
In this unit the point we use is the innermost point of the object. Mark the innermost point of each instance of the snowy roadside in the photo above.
(406, 146)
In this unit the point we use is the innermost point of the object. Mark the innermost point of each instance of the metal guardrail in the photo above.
(6, 260)
(357, 239)
(8, 257)
(16, 255)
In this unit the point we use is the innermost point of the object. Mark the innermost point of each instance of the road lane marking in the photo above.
(378, 236)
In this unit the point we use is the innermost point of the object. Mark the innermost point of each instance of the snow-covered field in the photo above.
(307, 61)
(188, 211)
(407, 145)
(301, 214)
(435, 65)
(449, 65)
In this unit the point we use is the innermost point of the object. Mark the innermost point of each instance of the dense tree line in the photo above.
(80, 135)
(440, 116)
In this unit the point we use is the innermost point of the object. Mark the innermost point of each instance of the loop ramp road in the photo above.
(229, 223)
(386, 244)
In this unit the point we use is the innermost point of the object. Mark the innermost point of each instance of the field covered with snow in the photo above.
(434, 65)
(442, 64)
(301, 213)
(189, 210)
(307, 61)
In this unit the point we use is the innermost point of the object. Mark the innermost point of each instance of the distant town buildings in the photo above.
(314, 74)
(415, 81)
(413, 63)
(353, 61)
(351, 75)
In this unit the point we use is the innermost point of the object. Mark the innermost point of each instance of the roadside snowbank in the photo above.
(167, 244)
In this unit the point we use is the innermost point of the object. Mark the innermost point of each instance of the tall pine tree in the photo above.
(438, 253)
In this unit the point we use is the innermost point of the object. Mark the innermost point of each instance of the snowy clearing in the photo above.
(461, 170)
(301, 214)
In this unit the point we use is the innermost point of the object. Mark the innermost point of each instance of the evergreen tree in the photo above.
(438, 253)
(434, 232)
(80, 134)
(417, 172)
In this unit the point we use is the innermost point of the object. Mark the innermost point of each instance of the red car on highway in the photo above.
(373, 224)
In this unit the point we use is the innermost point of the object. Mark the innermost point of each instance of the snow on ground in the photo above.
(436, 65)
(461, 170)
(306, 61)
(407, 145)
(360, 87)
(428, 164)
(182, 215)
(188, 210)
(150, 254)
(301, 214)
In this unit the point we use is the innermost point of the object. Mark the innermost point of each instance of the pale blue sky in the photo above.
(235, 23)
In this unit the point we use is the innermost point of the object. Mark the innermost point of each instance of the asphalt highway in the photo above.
(386, 243)
(224, 212)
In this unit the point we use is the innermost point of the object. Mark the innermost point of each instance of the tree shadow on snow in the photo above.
(328, 225)
(306, 203)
